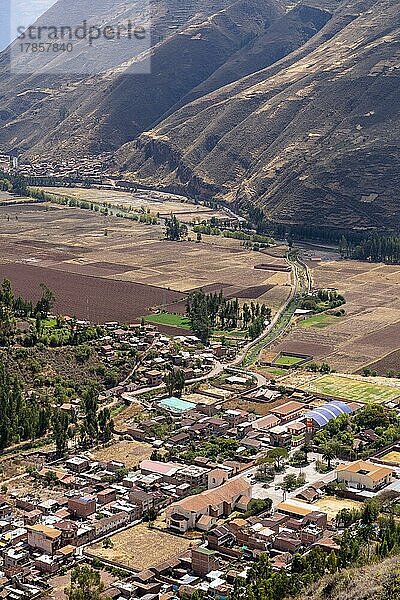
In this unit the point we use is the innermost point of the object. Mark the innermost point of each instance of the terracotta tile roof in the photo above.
(49, 532)
(223, 493)
(297, 508)
(375, 472)
(265, 422)
(289, 407)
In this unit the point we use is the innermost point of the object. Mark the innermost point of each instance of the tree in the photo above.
(6, 294)
(86, 584)
(174, 230)
(279, 455)
(175, 382)
(328, 454)
(197, 309)
(60, 431)
(22, 418)
(105, 424)
(45, 303)
(258, 506)
(306, 448)
(90, 422)
(370, 511)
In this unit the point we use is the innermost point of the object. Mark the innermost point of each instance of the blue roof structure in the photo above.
(323, 414)
(176, 405)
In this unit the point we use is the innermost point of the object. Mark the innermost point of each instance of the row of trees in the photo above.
(15, 184)
(374, 248)
(323, 300)
(174, 230)
(22, 418)
(237, 234)
(175, 382)
(209, 311)
(60, 333)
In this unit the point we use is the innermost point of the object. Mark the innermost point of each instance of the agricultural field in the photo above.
(352, 389)
(168, 319)
(367, 334)
(388, 364)
(271, 372)
(158, 203)
(7, 198)
(130, 453)
(320, 321)
(103, 268)
(140, 547)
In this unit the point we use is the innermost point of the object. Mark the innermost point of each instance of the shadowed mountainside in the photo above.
(70, 114)
(312, 137)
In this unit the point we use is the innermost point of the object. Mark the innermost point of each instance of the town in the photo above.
(191, 489)
(223, 428)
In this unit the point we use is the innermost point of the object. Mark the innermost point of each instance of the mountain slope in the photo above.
(313, 137)
(361, 583)
(99, 113)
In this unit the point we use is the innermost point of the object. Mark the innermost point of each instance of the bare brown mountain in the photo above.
(68, 114)
(293, 109)
(312, 138)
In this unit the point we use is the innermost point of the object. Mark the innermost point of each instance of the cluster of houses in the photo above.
(45, 533)
(156, 354)
(63, 171)
(289, 419)
(231, 540)
(78, 501)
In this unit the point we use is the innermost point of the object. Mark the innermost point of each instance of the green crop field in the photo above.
(319, 321)
(346, 388)
(168, 319)
(287, 360)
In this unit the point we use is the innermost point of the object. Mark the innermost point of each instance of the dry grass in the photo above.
(260, 408)
(60, 582)
(363, 583)
(128, 415)
(392, 457)
(141, 547)
(332, 505)
(130, 453)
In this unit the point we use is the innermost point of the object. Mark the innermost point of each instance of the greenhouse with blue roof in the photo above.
(320, 417)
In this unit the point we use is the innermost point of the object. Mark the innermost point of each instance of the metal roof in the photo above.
(323, 414)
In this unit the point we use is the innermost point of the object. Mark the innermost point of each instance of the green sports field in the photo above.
(346, 388)
(168, 319)
(286, 360)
